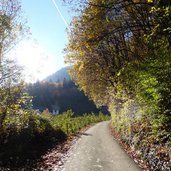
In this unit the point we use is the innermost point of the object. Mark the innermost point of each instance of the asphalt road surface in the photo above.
(97, 150)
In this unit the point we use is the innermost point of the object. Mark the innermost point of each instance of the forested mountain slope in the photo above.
(59, 75)
(60, 96)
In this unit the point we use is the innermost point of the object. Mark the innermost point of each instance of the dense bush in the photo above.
(26, 135)
(68, 123)
(141, 109)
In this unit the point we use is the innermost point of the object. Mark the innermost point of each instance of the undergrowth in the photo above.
(27, 136)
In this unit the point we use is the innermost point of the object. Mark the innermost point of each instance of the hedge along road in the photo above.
(97, 150)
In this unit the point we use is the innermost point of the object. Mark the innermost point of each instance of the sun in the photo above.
(37, 63)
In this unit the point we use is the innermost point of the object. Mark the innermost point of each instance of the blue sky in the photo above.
(48, 39)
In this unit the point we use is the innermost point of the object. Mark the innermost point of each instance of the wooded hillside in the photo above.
(61, 96)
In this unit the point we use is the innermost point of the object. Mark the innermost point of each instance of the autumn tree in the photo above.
(116, 48)
(11, 87)
(104, 39)
(12, 26)
(120, 52)
(161, 31)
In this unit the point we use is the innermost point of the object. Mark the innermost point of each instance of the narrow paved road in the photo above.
(97, 150)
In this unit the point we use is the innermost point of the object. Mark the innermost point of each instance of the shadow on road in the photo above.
(83, 133)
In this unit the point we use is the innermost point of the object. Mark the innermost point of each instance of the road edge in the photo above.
(132, 153)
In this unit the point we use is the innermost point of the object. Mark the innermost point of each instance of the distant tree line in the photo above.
(64, 95)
